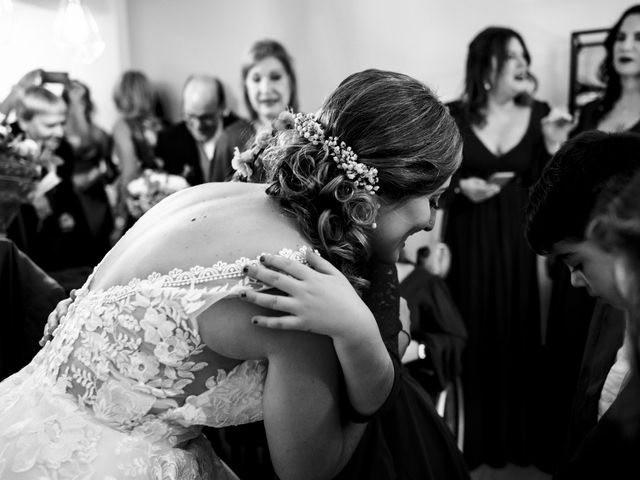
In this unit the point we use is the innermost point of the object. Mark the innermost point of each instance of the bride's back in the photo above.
(131, 348)
(199, 226)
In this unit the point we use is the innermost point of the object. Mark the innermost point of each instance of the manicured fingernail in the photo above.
(243, 294)
(245, 269)
(262, 258)
(254, 321)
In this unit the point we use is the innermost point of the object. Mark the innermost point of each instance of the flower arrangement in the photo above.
(149, 188)
(19, 172)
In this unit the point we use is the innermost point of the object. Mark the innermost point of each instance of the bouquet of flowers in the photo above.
(149, 188)
(19, 172)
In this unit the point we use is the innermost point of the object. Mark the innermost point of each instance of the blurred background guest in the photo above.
(52, 230)
(135, 134)
(94, 168)
(189, 148)
(493, 276)
(269, 88)
(619, 107)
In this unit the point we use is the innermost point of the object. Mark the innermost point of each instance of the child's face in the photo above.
(591, 268)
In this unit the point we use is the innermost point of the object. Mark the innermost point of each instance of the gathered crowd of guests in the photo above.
(552, 397)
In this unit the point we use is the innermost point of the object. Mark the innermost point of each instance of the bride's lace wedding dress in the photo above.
(122, 390)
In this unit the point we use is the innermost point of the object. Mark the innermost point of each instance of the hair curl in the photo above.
(395, 124)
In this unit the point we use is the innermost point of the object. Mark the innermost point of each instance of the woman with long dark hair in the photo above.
(493, 275)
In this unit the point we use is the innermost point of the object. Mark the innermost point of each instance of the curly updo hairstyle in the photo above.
(395, 124)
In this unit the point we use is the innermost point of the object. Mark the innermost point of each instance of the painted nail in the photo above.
(243, 294)
(245, 269)
(262, 258)
(254, 321)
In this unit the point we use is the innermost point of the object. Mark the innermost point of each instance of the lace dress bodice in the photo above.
(130, 358)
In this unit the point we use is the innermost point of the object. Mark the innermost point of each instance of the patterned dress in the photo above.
(124, 388)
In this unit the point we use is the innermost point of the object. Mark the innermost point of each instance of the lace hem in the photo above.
(194, 276)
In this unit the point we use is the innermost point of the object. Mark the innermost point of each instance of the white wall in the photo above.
(31, 46)
(331, 38)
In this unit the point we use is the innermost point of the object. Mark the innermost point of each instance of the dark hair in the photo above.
(617, 229)
(258, 52)
(490, 43)
(134, 96)
(617, 225)
(607, 72)
(395, 124)
(580, 178)
(37, 100)
(88, 102)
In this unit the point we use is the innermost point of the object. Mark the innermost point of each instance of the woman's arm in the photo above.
(321, 300)
(128, 162)
(307, 437)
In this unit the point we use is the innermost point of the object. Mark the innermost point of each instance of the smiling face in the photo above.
(47, 127)
(397, 221)
(268, 88)
(626, 49)
(591, 268)
(513, 78)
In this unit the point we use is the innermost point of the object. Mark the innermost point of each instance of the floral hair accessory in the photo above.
(362, 175)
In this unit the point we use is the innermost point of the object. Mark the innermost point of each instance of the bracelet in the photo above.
(422, 351)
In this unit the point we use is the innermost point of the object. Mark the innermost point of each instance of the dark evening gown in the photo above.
(493, 281)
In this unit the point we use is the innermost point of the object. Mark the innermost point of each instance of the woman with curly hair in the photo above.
(161, 339)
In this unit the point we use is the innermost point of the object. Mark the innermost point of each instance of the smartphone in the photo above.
(501, 178)
(55, 77)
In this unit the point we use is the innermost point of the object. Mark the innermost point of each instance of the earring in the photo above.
(487, 86)
(374, 225)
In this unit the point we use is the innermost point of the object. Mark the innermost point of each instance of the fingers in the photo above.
(320, 264)
(267, 300)
(286, 265)
(273, 278)
(287, 322)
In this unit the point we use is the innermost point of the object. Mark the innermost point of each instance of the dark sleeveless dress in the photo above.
(493, 280)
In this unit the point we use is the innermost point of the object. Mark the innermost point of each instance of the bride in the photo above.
(161, 340)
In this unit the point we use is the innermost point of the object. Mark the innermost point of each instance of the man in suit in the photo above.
(190, 147)
(604, 425)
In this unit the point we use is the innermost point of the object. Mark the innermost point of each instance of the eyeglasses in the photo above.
(209, 118)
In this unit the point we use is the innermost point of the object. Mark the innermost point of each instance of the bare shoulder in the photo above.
(201, 226)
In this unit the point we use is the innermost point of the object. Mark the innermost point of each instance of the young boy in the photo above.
(586, 172)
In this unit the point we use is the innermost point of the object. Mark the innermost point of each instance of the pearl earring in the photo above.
(487, 86)
(374, 225)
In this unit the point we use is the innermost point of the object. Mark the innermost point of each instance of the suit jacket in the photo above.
(607, 448)
(181, 156)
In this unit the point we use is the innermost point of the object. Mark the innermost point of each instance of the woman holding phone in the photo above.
(508, 137)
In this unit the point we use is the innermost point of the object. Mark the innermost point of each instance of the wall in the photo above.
(332, 38)
(30, 46)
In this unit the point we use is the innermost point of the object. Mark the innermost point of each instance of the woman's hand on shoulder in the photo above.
(53, 320)
(318, 298)
(477, 190)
